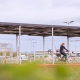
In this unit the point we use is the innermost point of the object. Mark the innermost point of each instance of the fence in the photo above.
(9, 60)
(73, 58)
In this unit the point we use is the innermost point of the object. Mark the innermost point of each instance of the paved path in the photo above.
(52, 65)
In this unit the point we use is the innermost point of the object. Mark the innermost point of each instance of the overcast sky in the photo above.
(39, 12)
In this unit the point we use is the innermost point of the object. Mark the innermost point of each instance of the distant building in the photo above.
(6, 47)
(46, 52)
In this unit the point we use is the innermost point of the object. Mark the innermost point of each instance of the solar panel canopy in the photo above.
(39, 29)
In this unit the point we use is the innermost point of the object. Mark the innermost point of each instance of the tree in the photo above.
(14, 54)
(25, 54)
(1, 53)
(8, 53)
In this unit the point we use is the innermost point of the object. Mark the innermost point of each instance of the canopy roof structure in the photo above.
(39, 30)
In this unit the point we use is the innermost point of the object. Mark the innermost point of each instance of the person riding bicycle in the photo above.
(62, 47)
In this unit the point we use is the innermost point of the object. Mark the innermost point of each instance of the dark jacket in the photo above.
(62, 48)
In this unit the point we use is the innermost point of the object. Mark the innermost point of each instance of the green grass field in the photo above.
(34, 72)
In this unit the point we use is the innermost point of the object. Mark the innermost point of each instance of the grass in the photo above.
(33, 72)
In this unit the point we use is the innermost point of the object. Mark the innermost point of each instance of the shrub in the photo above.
(1, 53)
(14, 54)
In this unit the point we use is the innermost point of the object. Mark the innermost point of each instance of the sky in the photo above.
(53, 12)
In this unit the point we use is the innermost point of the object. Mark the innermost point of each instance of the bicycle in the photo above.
(70, 58)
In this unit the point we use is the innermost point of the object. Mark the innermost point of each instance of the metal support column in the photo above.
(17, 45)
(44, 49)
(34, 50)
(52, 47)
(67, 42)
(20, 43)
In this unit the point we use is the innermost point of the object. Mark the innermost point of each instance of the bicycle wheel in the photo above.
(69, 60)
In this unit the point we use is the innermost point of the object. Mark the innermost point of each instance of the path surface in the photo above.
(52, 65)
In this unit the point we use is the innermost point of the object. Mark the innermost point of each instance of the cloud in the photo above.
(66, 3)
(39, 11)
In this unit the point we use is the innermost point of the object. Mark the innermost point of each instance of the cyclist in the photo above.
(62, 47)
